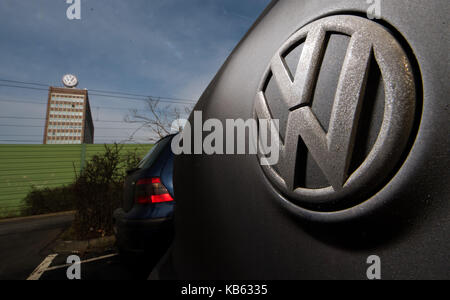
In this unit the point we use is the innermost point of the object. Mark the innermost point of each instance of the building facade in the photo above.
(69, 119)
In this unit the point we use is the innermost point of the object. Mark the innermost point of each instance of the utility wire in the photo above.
(23, 101)
(33, 135)
(22, 87)
(24, 82)
(93, 107)
(42, 126)
(35, 118)
(102, 92)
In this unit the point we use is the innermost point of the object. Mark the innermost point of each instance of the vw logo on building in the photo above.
(332, 149)
(70, 80)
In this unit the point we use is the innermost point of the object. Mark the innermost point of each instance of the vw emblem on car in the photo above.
(332, 149)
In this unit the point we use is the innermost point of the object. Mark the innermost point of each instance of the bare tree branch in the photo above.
(158, 119)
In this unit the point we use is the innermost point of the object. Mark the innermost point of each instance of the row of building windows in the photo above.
(64, 130)
(67, 100)
(65, 120)
(76, 101)
(76, 134)
(67, 113)
(72, 126)
(63, 138)
(67, 96)
(66, 105)
(63, 142)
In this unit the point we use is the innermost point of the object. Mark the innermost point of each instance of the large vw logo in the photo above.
(332, 149)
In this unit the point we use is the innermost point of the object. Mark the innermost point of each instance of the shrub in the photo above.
(95, 194)
(49, 200)
(98, 192)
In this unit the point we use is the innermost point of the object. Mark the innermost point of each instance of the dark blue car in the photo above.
(144, 222)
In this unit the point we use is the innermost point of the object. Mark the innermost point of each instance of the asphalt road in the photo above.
(24, 244)
(103, 267)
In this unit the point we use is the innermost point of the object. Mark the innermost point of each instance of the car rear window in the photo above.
(153, 154)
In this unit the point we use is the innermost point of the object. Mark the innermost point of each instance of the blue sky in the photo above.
(168, 48)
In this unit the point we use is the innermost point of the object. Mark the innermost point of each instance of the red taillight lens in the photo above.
(151, 190)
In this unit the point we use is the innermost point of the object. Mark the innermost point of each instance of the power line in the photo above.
(170, 100)
(137, 95)
(42, 126)
(93, 107)
(101, 91)
(44, 103)
(23, 87)
(33, 135)
(142, 99)
(22, 101)
(6, 125)
(173, 99)
(24, 82)
(35, 118)
(109, 96)
(23, 141)
(122, 141)
(21, 118)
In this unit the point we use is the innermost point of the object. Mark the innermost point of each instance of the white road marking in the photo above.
(37, 273)
(82, 262)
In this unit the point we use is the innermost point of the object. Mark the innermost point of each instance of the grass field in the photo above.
(24, 166)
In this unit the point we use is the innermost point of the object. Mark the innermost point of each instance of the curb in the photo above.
(30, 218)
(84, 246)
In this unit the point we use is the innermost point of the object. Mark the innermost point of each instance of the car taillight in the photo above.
(151, 190)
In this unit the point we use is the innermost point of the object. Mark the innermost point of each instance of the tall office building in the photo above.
(69, 119)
